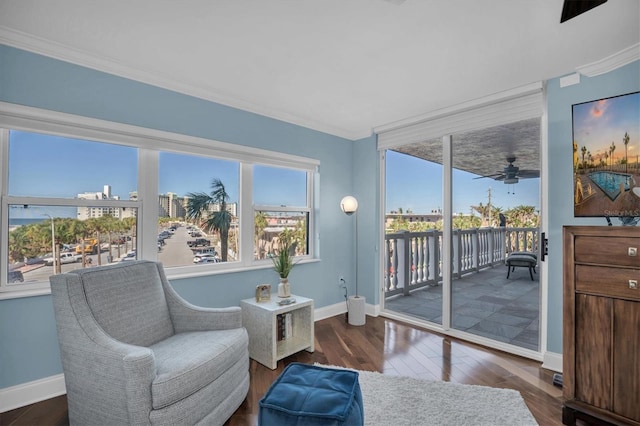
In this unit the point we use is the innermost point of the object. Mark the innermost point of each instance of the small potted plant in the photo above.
(283, 264)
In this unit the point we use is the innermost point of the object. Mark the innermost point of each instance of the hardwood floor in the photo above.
(383, 345)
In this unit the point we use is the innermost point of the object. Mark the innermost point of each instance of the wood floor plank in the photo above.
(382, 345)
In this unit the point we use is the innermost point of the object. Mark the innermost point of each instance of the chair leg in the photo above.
(531, 273)
(508, 269)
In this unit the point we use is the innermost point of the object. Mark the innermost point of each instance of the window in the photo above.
(198, 197)
(281, 210)
(79, 192)
(66, 206)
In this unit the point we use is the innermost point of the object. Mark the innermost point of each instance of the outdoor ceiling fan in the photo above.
(511, 173)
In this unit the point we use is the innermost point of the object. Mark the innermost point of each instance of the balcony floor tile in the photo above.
(485, 303)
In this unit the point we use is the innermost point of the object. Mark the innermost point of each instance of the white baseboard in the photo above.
(552, 361)
(329, 311)
(31, 392)
(340, 308)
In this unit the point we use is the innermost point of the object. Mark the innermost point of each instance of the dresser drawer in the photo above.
(606, 281)
(607, 250)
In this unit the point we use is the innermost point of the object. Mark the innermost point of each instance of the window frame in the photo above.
(308, 209)
(149, 142)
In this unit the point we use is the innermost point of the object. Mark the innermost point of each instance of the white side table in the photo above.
(260, 320)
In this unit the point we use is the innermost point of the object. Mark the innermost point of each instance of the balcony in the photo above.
(484, 301)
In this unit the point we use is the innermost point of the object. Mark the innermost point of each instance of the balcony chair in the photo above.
(521, 258)
(134, 352)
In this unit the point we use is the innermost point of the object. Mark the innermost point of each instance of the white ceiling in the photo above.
(338, 66)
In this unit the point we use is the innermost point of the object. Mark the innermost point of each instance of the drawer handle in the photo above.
(632, 251)
(633, 284)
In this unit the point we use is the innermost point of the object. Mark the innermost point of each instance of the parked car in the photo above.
(198, 242)
(205, 258)
(129, 256)
(64, 258)
(15, 277)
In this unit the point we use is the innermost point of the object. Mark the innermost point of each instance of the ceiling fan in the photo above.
(573, 8)
(511, 173)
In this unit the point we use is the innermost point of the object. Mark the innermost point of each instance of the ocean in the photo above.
(25, 221)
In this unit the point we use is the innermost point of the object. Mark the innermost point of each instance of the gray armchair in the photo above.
(134, 352)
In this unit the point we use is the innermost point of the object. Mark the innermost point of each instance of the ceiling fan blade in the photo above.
(527, 174)
(493, 176)
(573, 8)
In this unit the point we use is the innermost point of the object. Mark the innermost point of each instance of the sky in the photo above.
(598, 123)
(43, 165)
(416, 184)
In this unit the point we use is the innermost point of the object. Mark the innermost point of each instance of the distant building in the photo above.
(85, 213)
(412, 217)
(171, 205)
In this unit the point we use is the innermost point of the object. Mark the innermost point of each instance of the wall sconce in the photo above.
(356, 304)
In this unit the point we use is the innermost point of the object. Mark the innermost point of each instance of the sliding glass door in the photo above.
(456, 209)
(495, 212)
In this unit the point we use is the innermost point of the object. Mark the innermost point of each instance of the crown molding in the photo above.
(59, 51)
(29, 118)
(610, 63)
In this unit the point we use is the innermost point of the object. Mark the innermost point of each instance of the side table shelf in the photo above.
(261, 321)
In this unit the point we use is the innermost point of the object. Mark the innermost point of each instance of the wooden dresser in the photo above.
(601, 330)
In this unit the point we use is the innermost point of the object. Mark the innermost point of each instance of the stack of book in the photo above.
(284, 326)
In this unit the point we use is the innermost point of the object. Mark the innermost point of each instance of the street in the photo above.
(174, 253)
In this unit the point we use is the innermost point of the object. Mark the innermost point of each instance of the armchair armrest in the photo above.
(189, 317)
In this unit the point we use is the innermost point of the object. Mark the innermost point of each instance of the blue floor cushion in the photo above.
(311, 395)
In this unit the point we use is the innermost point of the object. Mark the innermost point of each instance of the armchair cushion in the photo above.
(187, 362)
(128, 303)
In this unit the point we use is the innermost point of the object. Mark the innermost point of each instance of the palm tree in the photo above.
(110, 226)
(201, 207)
(612, 150)
(625, 139)
(584, 152)
(18, 246)
(260, 223)
(130, 224)
(485, 213)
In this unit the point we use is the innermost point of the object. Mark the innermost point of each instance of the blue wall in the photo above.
(559, 101)
(29, 348)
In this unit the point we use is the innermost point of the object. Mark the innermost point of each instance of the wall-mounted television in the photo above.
(606, 157)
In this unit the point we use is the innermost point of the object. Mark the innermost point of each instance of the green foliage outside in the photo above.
(483, 216)
(34, 240)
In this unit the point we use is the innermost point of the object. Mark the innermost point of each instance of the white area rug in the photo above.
(397, 401)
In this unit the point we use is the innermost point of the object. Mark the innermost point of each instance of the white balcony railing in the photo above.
(413, 259)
